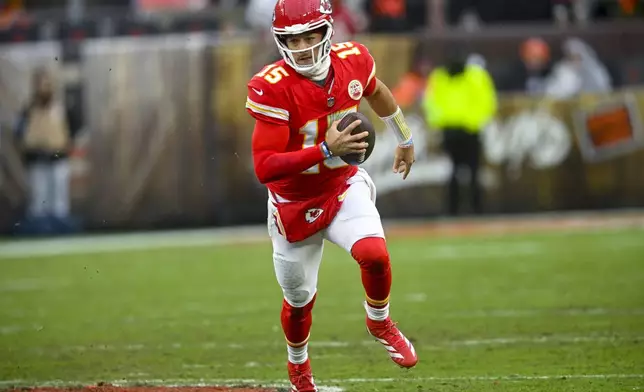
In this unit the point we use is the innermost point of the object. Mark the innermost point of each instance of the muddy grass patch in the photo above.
(144, 388)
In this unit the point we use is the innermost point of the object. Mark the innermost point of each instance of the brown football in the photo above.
(357, 159)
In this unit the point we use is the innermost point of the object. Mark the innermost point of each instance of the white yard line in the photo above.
(210, 316)
(102, 243)
(342, 381)
(438, 345)
(517, 377)
(132, 241)
(39, 324)
(511, 313)
(499, 249)
(538, 340)
(32, 284)
(13, 329)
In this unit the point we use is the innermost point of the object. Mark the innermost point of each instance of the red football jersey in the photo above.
(279, 95)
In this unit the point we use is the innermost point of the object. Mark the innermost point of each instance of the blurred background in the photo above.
(517, 238)
(129, 114)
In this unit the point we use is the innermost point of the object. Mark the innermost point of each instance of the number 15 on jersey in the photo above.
(313, 136)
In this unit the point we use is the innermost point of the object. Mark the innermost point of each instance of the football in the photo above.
(357, 159)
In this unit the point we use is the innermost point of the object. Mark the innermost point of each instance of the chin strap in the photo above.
(320, 72)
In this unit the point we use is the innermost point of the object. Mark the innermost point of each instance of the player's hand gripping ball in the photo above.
(365, 126)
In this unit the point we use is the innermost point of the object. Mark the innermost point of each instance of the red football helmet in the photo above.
(292, 17)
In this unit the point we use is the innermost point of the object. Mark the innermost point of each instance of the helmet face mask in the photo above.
(319, 51)
(299, 17)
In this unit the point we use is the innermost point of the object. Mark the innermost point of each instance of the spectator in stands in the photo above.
(535, 55)
(412, 85)
(392, 16)
(45, 139)
(10, 11)
(580, 71)
(631, 8)
(476, 59)
(259, 18)
(470, 20)
(346, 22)
(460, 101)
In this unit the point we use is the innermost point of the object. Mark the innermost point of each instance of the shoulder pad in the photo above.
(266, 100)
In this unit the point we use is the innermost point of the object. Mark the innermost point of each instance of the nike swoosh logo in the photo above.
(258, 92)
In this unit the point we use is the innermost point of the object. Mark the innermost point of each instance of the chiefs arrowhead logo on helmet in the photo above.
(325, 7)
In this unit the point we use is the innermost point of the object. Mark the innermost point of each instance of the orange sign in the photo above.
(390, 8)
(610, 127)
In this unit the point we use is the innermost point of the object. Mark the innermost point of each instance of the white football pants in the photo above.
(297, 264)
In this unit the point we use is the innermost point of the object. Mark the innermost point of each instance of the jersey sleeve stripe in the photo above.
(267, 110)
(373, 73)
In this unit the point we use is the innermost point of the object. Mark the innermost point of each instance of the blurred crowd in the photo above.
(577, 70)
(46, 129)
(353, 15)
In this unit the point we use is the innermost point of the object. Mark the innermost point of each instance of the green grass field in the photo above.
(539, 312)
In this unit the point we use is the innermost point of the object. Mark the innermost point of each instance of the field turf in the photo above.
(548, 311)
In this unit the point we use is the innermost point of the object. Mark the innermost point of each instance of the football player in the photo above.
(313, 194)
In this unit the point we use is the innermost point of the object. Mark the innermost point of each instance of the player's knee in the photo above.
(299, 298)
(371, 254)
(298, 310)
(297, 285)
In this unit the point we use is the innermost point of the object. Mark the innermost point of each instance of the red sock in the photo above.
(372, 256)
(296, 323)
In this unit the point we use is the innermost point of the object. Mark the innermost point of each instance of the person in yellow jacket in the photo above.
(459, 101)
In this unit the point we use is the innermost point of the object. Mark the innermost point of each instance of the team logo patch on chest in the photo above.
(313, 214)
(355, 90)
